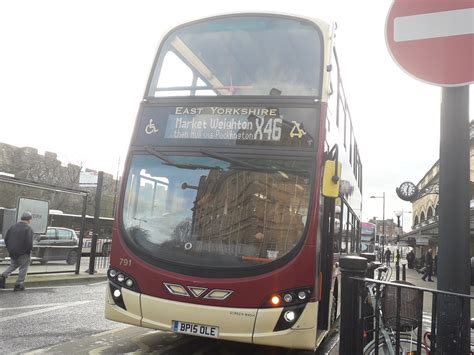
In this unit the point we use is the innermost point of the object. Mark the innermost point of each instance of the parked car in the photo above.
(3, 251)
(57, 244)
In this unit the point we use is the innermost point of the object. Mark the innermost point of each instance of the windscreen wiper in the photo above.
(155, 152)
(231, 160)
(250, 165)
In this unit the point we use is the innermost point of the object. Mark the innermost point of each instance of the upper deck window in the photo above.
(243, 55)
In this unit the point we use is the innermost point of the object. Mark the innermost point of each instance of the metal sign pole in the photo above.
(81, 235)
(454, 196)
(98, 197)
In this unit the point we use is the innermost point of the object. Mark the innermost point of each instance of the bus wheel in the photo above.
(71, 257)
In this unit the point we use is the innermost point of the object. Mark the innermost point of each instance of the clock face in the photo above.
(407, 191)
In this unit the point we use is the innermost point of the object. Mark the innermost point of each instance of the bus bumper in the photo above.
(235, 324)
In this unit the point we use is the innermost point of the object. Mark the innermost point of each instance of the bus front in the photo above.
(217, 229)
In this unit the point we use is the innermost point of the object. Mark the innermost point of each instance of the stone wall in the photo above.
(26, 164)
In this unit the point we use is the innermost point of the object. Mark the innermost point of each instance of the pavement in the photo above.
(51, 279)
(414, 278)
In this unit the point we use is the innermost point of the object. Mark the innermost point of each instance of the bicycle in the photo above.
(427, 340)
(385, 314)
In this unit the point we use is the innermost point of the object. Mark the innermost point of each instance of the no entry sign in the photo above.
(433, 40)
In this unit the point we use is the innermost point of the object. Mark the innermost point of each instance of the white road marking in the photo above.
(39, 311)
(58, 286)
(31, 306)
(434, 25)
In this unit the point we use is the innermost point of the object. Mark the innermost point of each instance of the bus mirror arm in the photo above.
(334, 155)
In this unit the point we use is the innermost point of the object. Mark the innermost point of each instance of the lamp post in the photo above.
(383, 225)
(375, 236)
(398, 214)
(397, 257)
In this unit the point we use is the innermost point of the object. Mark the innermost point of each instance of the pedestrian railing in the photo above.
(390, 318)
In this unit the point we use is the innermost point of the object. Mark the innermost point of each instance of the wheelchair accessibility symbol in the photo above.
(297, 131)
(151, 128)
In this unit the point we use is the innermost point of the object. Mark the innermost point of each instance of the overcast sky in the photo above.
(72, 74)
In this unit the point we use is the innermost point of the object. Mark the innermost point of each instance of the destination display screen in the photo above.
(217, 125)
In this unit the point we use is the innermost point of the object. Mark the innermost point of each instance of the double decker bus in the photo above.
(238, 168)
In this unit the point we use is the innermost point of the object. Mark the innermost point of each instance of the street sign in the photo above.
(39, 210)
(88, 179)
(433, 40)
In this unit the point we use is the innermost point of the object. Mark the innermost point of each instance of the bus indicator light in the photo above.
(275, 300)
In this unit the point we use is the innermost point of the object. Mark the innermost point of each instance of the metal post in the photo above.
(397, 255)
(454, 196)
(383, 229)
(372, 264)
(98, 196)
(81, 235)
(404, 272)
(351, 336)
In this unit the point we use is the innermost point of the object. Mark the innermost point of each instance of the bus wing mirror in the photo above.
(331, 178)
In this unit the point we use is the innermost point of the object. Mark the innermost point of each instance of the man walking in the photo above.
(429, 265)
(19, 243)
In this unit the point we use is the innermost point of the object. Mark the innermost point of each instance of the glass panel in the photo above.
(64, 234)
(50, 234)
(241, 55)
(204, 211)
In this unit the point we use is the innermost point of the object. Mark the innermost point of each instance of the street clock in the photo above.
(407, 191)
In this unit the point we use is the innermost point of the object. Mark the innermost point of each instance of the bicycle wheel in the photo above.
(407, 346)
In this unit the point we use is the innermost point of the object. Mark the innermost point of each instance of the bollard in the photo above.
(404, 272)
(369, 256)
(351, 336)
(397, 271)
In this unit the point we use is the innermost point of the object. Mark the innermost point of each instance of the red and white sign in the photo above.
(433, 40)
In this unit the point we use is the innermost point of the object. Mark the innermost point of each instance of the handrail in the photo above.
(413, 287)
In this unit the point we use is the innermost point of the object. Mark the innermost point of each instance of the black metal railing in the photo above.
(387, 317)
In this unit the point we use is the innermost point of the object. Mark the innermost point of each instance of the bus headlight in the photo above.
(288, 298)
(117, 293)
(289, 316)
(302, 295)
(121, 279)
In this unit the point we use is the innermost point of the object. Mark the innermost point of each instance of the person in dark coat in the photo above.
(19, 243)
(388, 254)
(429, 265)
(411, 259)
